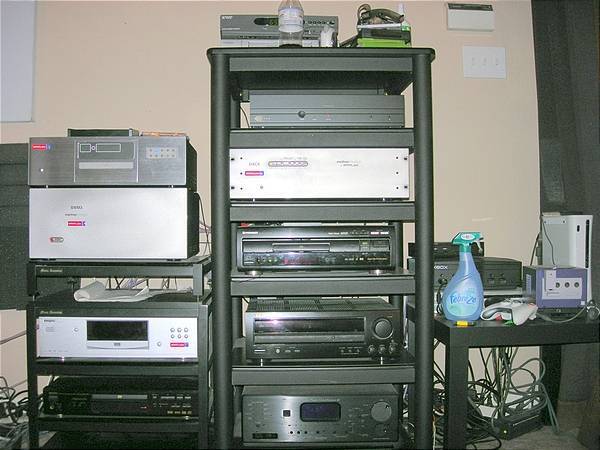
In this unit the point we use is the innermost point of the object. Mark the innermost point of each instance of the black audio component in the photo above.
(320, 414)
(121, 396)
(309, 328)
(443, 250)
(496, 273)
(315, 247)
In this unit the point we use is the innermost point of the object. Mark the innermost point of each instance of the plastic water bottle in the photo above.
(291, 23)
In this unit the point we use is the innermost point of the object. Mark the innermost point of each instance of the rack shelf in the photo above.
(183, 369)
(323, 283)
(236, 72)
(323, 211)
(322, 137)
(122, 424)
(195, 268)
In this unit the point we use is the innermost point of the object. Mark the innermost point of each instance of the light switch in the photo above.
(484, 62)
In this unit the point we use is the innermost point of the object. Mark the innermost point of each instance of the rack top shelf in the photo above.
(296, 52)
(389, 69)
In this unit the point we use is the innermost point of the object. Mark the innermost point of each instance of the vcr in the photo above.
(121, 396)
(315, 247)
(309, 328)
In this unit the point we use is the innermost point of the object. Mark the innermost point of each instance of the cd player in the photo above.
(310, 247)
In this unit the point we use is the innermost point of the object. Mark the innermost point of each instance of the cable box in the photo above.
(326, 110)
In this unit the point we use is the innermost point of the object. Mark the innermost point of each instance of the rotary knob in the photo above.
(372, 350)
(382, 328)
(381, 412)
(382, 349)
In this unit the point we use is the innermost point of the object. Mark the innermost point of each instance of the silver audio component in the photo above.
(320, 414)
(162, 327)
(319, 173)
(112, 161)
(113, 223)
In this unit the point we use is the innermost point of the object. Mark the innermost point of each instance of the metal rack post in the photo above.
(221, 241)
(423, 127)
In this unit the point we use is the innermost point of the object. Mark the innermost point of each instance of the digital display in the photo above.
(106, 330)
(320, 412)
(270, 21)
(309, 326)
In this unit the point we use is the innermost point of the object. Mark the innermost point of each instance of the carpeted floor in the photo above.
(545, 439)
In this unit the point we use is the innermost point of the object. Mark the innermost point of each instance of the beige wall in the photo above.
(143, 65)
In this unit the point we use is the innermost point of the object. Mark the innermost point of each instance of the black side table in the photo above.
(458, 341)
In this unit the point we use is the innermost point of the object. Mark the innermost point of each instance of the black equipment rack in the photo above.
(235, 71)
(69, 431)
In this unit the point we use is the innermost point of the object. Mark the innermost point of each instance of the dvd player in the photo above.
(121, 396)
(311, 247)
(309, 328)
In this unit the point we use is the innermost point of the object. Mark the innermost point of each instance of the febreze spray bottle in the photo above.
(463, 297)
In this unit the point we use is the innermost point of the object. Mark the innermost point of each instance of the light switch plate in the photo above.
(484, 62)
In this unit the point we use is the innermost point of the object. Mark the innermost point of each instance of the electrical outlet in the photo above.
(484, 62)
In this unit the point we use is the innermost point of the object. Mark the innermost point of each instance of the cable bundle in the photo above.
(12, 407)
(498, 391)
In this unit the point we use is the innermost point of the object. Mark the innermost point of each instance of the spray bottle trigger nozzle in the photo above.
(478, 245)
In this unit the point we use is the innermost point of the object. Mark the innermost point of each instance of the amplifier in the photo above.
(122, 396)
(113, 223)
(308, 328)
(320, 414)
(326, 110)
(310, 247)
(496, 273)
(112, 161)
(164, 327)
(319, 173)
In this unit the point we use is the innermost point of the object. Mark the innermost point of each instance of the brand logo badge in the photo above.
(40, 147)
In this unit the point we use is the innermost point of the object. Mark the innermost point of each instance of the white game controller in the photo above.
(514, 310)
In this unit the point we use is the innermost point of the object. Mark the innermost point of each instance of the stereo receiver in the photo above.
(309, 328)
(121, 396)
(319, 173)
(112, 161)
(320, 414)
(164, 327)
(311, 247)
